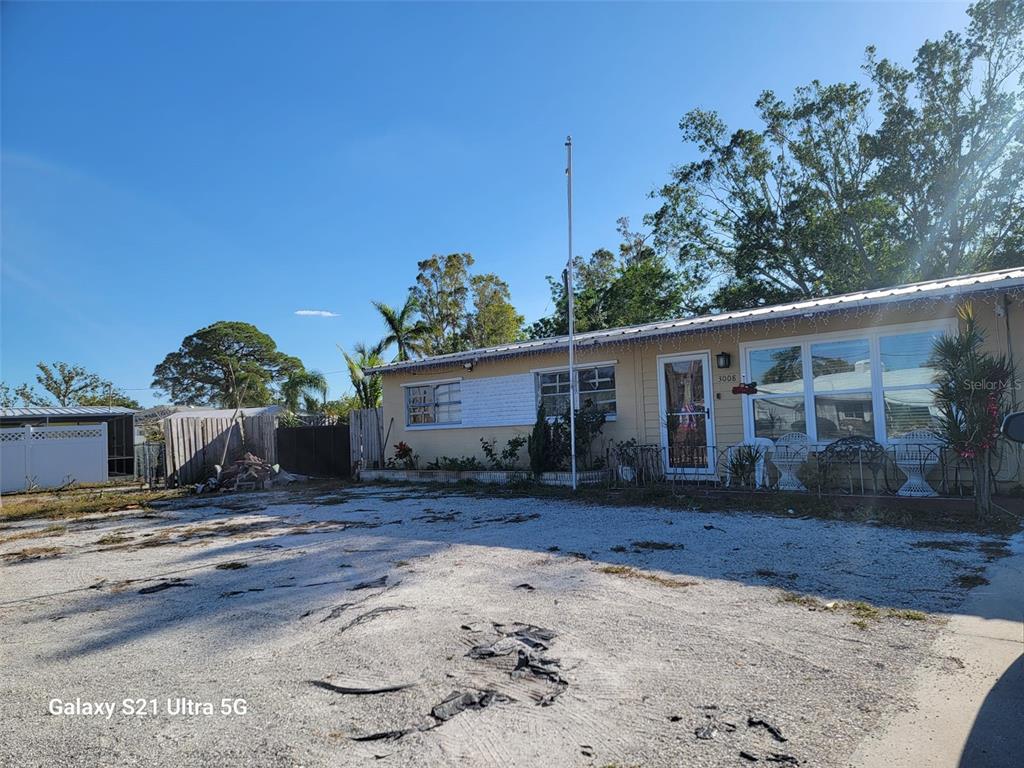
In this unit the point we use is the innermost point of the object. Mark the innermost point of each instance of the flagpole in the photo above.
(572, 323)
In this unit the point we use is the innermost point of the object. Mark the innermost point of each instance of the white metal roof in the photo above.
(64, 412)
(982, 281)
(223, 413)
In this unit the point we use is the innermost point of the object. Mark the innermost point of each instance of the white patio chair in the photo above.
(916, 454)
(763, 446)
(789, 453)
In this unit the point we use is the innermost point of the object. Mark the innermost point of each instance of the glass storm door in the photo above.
(687, 427)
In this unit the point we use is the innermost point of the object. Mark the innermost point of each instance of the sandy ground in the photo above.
(631, 669)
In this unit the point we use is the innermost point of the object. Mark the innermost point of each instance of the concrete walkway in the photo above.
(969, 717)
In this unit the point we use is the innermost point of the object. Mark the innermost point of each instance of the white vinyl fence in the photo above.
(49, 457)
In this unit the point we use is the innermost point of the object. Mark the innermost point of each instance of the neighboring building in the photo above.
(120, 428)
(858, 362)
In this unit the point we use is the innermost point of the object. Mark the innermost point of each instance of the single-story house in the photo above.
(120, 428)
(858, 362)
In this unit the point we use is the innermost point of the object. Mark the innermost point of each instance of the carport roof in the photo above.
(63, 412)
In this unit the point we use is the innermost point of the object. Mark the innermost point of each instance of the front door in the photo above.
(687, 431)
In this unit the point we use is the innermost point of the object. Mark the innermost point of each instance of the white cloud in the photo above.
(316, 313)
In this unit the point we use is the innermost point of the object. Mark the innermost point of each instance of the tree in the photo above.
(951, 143)
(227, 364)
(111, 397)
(368, 387)
(68, 383)
(971, 387)
(409, 335)
(341, 407)
(309, 387)
(816, 201)
(441, 291)
(22, 394)
(493, 319)
(637, 286)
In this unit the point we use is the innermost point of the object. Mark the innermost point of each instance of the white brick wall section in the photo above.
(499, 401)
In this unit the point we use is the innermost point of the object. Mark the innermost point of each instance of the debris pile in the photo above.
(530, 644)
(247, 473)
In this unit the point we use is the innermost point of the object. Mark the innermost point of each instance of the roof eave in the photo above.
(968, 284)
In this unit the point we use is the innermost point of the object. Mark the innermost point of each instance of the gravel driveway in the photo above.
(513, 631)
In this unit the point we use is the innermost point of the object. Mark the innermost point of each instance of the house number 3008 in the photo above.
(727, 378)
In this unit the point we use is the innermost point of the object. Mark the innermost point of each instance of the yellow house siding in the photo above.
(638, 371)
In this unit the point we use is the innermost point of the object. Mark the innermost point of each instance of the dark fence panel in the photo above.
(317, 451)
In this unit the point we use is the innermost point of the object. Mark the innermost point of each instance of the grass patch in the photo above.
(804, 601)
(32, 553)
(655, 545)
(50, 530)
(861, 611)
(768, 573)
(971, 580)
(698, 499)
(951, 546)
(71, 505)
(993, 550)
(626, 572)
(907, 614)
(860, 624)
(113, 538)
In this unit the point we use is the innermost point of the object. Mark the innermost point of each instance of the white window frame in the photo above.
(613, 364)
(435, 424)
(873, 337)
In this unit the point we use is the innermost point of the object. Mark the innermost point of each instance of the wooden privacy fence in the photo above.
(366, 437)
(195, 444)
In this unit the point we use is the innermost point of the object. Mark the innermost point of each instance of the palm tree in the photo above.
(409, 335)
(368, 388)
(309, 386)
(970, 395)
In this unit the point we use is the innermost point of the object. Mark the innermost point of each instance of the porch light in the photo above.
(723, 359)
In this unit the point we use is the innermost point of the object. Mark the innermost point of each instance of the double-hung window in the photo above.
(427, 404)
(595, 387)
(876, 384)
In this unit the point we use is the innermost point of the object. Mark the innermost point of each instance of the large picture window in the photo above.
(877, 385)
(596, 386)
(427, 404)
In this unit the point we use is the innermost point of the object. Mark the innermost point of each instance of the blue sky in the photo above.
(169, 165)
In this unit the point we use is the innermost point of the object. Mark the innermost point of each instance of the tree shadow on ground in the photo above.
(295, 559)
